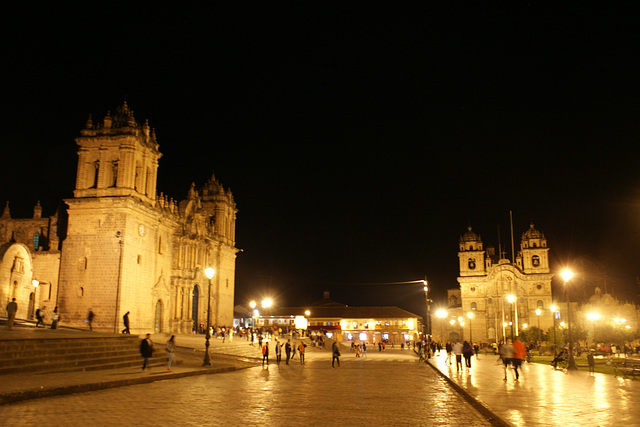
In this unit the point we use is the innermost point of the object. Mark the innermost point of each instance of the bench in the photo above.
(627, 368)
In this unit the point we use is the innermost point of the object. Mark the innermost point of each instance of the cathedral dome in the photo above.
(532, 233)
(470, 236)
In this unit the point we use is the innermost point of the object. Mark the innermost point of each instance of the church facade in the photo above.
(497, 296)
(123, 247)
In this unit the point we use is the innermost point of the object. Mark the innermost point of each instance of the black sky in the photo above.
(359, 142)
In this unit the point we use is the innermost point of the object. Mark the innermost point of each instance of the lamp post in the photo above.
(593, 317)
(538, 313)
(511, 299)
(553, 309)
(566, 276)
(209, 272)
(428, 331)
(252, 304)
(470, 316)
(441, 315)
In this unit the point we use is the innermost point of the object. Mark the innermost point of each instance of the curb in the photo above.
(490, 416)
(20, 396)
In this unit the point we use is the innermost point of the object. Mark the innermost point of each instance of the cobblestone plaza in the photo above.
(361, 391)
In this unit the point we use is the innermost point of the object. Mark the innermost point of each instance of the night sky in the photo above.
(359, 142)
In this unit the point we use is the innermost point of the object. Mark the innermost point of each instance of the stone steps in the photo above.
(73, 354)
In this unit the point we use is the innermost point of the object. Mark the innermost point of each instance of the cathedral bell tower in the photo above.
(111, 250)
(471, 254)
(534, 253)
(118, 157)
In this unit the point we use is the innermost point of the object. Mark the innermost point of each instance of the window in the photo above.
(540, 304)
(535, 261)
(474, 306)
(472, 264)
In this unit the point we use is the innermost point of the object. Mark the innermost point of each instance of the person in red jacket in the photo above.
(520, 354)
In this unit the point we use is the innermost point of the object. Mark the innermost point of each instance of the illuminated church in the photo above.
(122, 247)
(496, 294)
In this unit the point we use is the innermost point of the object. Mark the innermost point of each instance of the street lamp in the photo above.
(566, 276)
(511, 299)
(209, 272)
(470, 316)
(538, 313)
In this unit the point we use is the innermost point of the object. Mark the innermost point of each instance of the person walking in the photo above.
(519, 355)
(301, 348)
(449, 350)
(287, 350)
(125, 319)
(457, 350)
(40, 317)
(467, 352)
(335, 350)
(12, 309)
(278, 351)
(90, 317)
(506, 354)
(170, 348)
(265, 353)
(55, 318)
(146, 350)
(591, 361)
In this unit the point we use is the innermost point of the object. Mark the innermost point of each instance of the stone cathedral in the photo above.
(122, 247)
(486, 282)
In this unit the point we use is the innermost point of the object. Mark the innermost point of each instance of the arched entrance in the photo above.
(194, 307)
(157, 324)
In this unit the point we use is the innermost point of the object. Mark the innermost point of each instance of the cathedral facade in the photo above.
(498, 296)
(123, 247)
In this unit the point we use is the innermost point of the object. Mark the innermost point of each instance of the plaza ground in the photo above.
(389, 387)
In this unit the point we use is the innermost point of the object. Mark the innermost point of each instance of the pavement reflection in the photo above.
(545, 397)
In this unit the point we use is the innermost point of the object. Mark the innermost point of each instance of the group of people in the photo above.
(459, 350)
(512, 353)
(289, 350)
(12, 309)
(146, 351)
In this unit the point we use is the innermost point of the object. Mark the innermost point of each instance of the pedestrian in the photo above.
(591, 361)
(287, 350)
(457, 350)
(301, 348)
(519, 355)
(449, 350)
(125, 319)
(467, 352)
(265, 353)
(90, 317)
(278, 351)
(146, 350)
(260, 340)
(12, 309)
(55, 318)
(170, 348)
(506, 354)
(252, 336)
(40, 317)
(336, 354)
(364, 349)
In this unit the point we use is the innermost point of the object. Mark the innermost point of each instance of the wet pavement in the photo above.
(389, 388)
(546, 397)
